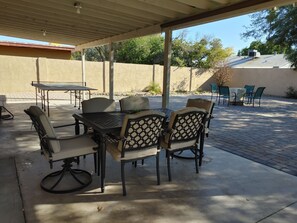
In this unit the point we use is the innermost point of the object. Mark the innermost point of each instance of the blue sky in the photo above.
(227, 30)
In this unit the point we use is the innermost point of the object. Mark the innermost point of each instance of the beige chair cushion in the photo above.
(98, 105)
(176, 146)
(50, 132)
(74, 147)
(113, 148)
(133, 103)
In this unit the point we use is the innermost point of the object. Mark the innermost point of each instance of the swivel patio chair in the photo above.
(249, 92)
(134, 103)
(65, 149)
(224, 93)
(214, 90)
(258, 95)
(183, 132)
(139, 139)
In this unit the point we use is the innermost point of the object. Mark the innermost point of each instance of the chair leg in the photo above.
(201, 148)
(196, 159)
(158, 169)
(168, 165)
(54, 182)
(123, 178)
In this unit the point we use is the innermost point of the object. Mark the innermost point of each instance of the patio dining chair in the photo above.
(98, 104)
(214, 90)
(139, 139)
(208, 107)
(134, 103)
(249, 92)
(258, 95)
(65, 149)
(224, 93)
(183, 132)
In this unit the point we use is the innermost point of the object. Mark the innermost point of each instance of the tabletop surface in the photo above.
(106, 121)
(61, 86)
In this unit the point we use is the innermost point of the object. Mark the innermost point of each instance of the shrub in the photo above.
(223, 75)
(291, 93)
(154, 88)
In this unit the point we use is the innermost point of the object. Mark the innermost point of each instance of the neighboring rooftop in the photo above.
(261, 61)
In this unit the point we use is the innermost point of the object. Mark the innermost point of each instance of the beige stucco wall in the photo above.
(16, 74)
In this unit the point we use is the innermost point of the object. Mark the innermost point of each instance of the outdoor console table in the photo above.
(104, 123)
(237, 95)
(44, 87)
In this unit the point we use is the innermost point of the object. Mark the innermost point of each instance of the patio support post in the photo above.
(83, 67)
(111, 70)
(166, 71)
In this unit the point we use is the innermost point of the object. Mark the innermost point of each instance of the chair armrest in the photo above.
(66, 125)
(64, 137)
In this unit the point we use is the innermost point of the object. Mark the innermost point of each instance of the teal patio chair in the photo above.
(258, 95)
(249, 93)
(224, 93)
(214, 90)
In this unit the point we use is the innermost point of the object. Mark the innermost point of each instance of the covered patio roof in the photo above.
(88, 23)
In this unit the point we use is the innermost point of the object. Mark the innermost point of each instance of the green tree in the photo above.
(143, 50)
(263, 48)
(204, 53)
(99, 53)
(279, 28)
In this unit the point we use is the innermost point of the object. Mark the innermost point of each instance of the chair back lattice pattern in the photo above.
(188, 126)
(142, 132)
(203, 104)
(41, 133)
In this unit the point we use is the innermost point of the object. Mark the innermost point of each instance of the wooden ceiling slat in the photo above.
(90, 13)
(148, 8)
(172, 5)
(70, 18)
(125, 9)
(201, 4)
(104, 21)
(50, 29)
(16, 17)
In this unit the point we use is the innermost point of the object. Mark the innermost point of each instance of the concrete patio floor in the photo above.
(228, 188)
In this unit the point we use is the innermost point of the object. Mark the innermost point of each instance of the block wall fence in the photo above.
(17, 73)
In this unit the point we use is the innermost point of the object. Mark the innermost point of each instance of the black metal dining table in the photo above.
(104, 123)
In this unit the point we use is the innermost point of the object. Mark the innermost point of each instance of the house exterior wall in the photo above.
(275, 80)
(17, 73)
(34, 52)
